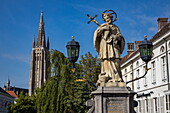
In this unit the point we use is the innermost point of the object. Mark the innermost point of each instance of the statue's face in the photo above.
(107, 18)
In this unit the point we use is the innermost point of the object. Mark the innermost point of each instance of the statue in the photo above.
(109, 44)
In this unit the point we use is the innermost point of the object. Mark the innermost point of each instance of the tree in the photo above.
(24, 104)
(90, 67)
(51, 97)
(61, 93)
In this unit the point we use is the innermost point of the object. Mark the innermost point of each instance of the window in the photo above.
(163, 68)
(125, 78)
(131, 67)
(162, 49)
(147, 106)
(155, 105)
(161, 105)
(131, 76)
(125, 75)
(139, 106)
(137, 76)
(145, 78)
(137, 64)
(125, 71)
(143, 106)
(150, 106)
(168, 103)
(153, 55)
(153, 72)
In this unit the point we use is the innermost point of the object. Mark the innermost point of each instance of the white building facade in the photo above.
(6, 100)
(153, 91)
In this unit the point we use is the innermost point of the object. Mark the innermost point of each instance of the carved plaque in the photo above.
(116, 105)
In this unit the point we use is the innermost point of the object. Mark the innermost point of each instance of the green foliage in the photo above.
(24, 104)
(90, 67)
(61, 93)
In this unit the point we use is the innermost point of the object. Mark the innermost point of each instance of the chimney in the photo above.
(130, 48)
(162, 22)
(137, 44)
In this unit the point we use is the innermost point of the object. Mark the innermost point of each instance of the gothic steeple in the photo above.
(41, 33)
(48, 43)
(33, 42)
(39, 59)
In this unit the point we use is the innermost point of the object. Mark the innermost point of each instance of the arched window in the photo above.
(153, 54)
(130, 67)
(162, 49)
(137, 64)
(125, 71)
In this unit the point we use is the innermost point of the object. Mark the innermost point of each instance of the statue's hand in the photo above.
(114, 37)
(103, 28)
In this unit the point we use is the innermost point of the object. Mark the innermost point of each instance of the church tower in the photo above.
(39, 60)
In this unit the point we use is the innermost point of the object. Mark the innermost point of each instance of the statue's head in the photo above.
(108, 17)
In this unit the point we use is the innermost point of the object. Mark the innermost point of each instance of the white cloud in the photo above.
(146, 19)
(18, 57)
(153, 29)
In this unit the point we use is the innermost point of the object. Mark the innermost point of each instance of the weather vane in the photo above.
(92, 19)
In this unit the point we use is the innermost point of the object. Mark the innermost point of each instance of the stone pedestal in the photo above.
(113, 100)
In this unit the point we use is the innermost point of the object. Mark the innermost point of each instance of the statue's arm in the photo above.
(97, 35)
(121, 40)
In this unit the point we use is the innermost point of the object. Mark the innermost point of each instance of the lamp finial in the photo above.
(145, 37)
(72, 37)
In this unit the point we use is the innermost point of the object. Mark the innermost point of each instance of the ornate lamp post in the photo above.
(145, 49)
(73, 49)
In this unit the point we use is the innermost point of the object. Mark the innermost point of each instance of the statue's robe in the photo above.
(109, 43)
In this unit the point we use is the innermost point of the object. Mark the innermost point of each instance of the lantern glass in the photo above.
(73, 50)
(145, 49)
(77, 51)
(69, 51)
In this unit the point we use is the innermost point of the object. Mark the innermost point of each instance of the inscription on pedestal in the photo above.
(116, 105)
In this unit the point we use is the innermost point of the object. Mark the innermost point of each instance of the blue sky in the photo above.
(19, 21)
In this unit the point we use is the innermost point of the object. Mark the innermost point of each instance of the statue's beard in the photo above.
(108, 21)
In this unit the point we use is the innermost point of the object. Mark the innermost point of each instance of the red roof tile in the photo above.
(12, 93)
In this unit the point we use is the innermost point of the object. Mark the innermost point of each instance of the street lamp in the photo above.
(145, 49)
(73, 48)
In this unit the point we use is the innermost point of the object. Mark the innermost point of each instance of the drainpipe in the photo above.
(167, 65)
